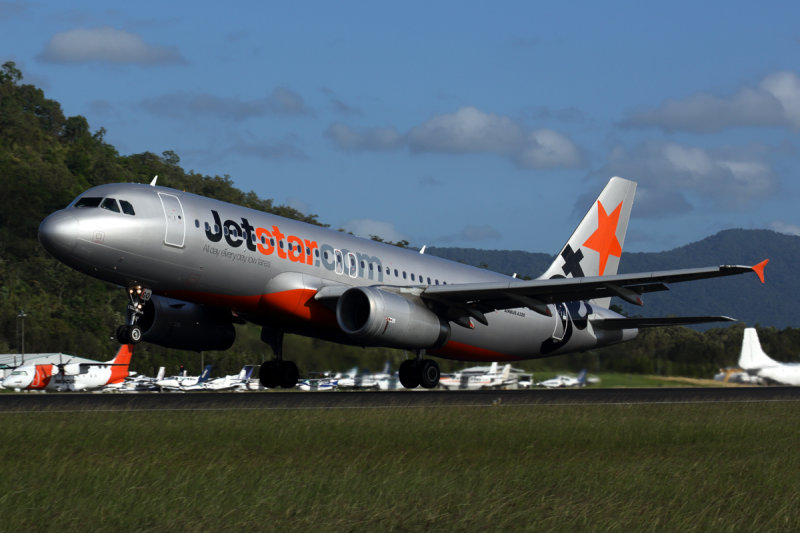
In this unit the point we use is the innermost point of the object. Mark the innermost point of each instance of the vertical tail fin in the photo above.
(160, 374)
(206, 373)
(594, 249)
(123, 356)
(752, 356)
(121, 363)
(582, 378)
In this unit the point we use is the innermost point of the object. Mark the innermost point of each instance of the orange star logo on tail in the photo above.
(604, 239)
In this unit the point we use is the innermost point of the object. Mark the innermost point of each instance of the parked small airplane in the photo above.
(479, 377)
(71, 376)
(183, 382)
(136, 383)
(232, 381)
(193, 267)
(565, 381)
(322, 383)
(738, 376)
(355, 379)
(755, 362)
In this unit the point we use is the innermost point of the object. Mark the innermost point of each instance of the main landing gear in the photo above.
(419, 372)
(131, 333)
(277, 372)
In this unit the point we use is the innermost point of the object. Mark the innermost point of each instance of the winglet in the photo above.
(759, 269)
(155, 179)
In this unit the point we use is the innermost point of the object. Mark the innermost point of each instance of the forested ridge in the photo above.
(48, 158)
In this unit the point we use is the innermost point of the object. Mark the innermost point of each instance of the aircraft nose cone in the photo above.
(58, 232)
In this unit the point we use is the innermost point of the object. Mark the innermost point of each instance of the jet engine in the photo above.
(185, 326)
(377, 317)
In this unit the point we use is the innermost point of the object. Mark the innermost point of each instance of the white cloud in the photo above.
(548, 149)
(670, 173)
(784, 227)
(773, 102)
(468, 131)
(107, 45)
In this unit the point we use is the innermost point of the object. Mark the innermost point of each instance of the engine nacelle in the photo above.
(185, 326)
(376, 317)
(70, 369)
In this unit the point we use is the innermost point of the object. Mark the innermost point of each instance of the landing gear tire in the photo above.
(419, 372)
(129, 334)
(289, 374)
(409, 377)
(268, 375)
(274, 374)
(428, 373)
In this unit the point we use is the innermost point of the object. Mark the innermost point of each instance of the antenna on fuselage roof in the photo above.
(422, 250)
(153, 183)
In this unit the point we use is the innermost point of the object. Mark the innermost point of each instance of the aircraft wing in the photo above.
(625, 323)
(475, 299)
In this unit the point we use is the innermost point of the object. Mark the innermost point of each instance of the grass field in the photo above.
(696, 467)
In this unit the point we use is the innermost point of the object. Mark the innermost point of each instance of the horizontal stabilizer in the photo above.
(630, 323)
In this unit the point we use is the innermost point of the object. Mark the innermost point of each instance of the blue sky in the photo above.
(446, 123)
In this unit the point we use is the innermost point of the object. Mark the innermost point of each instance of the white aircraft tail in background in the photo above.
(754, 361)
(752, 355)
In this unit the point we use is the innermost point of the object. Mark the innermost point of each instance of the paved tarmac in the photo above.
(61, 402)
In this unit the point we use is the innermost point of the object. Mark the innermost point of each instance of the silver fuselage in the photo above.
(268, 269)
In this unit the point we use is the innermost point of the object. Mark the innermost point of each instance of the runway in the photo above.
(66, 402)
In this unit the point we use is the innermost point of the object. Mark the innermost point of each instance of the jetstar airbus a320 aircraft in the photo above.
(194, 266)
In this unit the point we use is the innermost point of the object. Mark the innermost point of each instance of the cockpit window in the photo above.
(110, 204)
(88, 201)
(127, 208)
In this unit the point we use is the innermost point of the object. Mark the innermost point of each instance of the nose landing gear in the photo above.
(131, 333)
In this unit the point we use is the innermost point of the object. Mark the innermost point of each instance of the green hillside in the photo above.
(47, 158)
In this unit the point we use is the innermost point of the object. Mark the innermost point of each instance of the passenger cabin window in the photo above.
(110, 204)
(88, 201)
